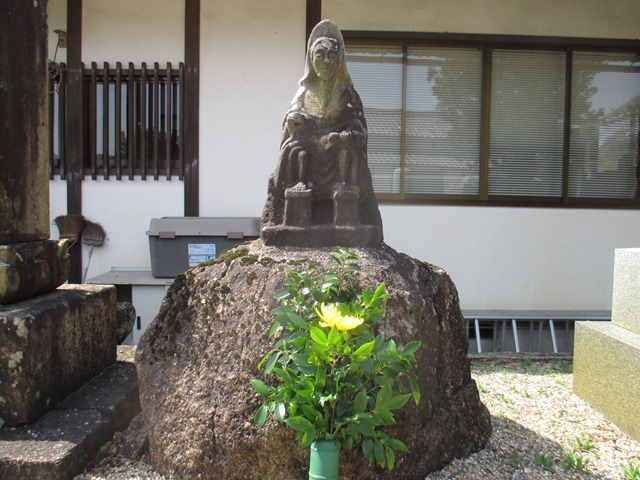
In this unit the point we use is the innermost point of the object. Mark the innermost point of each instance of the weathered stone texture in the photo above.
(24, 182)
(196, 359)
(32, 268)
(606, 372)
(625, 306)
(50, 345)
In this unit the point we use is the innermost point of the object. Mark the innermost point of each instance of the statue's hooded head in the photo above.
(325, 35)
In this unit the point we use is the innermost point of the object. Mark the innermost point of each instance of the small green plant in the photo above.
(543, 461)
(481, 389)
(584, 444)
(525, 362)
(526, 394)
(330, 377)
(565, 367)
(518, 460)
(631, 471)
(572, 460)
(505, 399)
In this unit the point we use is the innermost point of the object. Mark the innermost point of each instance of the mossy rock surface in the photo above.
(196, 360)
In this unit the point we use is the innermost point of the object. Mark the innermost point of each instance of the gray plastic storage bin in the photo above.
(179, 243)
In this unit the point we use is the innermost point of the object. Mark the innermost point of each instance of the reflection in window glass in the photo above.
(527, 118)
(605, 106)
(443, 120)
(377, 76)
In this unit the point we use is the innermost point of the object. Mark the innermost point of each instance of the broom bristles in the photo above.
(70, 226)
(93, 234)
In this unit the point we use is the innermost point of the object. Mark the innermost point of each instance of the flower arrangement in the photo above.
(331, 377)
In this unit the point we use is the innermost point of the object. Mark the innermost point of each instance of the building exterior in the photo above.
(503, 133)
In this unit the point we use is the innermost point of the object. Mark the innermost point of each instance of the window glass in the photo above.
(377, 76)
(443, 120)
(605, 106)
(527, 118)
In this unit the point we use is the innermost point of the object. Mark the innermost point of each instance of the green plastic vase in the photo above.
(323, 462)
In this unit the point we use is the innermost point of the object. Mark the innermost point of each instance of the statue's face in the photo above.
(326, 58)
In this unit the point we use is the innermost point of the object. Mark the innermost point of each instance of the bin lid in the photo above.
(233, 227)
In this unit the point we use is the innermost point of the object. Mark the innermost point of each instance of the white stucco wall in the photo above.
(567, 18)
(251, 58)
(518, 258)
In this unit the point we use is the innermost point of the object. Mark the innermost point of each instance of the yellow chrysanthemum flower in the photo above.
(331, 317)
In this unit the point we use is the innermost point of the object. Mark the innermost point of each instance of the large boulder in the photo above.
(196, 359)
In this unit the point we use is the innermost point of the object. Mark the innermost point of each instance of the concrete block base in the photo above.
(606, 372)
(51, 345)
(60, 443)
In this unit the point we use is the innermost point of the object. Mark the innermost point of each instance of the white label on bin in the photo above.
(201, 252)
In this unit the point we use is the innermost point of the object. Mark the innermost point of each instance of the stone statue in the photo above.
(321, 193)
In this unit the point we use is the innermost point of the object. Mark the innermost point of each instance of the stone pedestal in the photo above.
(298, 202)
(52, 344)
(607, 354)
(345, 207)
(31, 268)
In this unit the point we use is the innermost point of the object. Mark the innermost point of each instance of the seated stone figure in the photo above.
(321, 193)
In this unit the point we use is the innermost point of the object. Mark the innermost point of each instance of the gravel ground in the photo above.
(540, 431)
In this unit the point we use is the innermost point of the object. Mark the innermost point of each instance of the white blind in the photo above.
(605, 105)
(527, 111)
(376, 72)
(443, 120)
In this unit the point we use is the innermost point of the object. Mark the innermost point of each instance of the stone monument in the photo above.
(196, 359)
(53, 338)
(321, 193)
(606, 370)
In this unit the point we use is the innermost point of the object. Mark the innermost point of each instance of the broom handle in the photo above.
(86, 269)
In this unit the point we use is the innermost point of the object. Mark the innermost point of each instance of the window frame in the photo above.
(488, 43)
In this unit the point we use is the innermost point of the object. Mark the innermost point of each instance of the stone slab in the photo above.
(51, 345)
(625, 306)
(113, 392)
(606, 372)
(323, 236)
(57, 445)
(60, 443)
(32, 268)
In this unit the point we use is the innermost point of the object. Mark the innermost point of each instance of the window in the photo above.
(133, 122)
(485, 122)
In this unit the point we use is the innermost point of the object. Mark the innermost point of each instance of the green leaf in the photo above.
(415, 389)
(366, 296)
(299, 423)
(318, 335)
(367, 448)
(365, 349)
(391, 458)
(271, 363)
(273, 329)
(411, 347)
(280, 411)
(300, 359)
(395, 443)
(397, 402)
(333, 338)
(378, 452)
(297, 320)
(260, 387)
(261, 416)
(360, 402)
(383, 396)
(281, 294)
(309, 437)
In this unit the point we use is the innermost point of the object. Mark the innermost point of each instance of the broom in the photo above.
(93, 235)
(70, 226)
